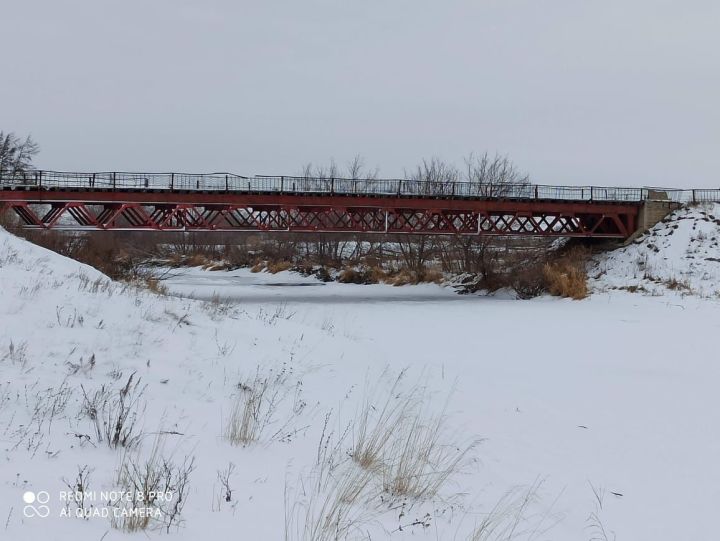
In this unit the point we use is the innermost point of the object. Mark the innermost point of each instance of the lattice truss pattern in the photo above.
(106, 216)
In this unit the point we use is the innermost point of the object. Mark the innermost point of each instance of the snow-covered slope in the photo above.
(682, 252)
(603, 408)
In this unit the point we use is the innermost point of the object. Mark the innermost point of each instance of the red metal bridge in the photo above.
(224, 202)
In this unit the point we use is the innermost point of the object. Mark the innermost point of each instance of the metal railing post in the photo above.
(39, 183)
(226, 184)
(282, 184)
(114, 179)
(172, 181)
(591, 193)
(693, 196)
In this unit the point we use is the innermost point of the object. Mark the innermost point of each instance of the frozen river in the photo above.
(614, 391)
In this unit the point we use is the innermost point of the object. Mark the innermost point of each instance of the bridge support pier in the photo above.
(654, 210)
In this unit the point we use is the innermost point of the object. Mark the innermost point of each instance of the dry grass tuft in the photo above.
(402, 277)
(278, 266)
(261, 402)
(156, 286)
(409, 447)
(197, 260)
(567, 276)
(513, 518)
(677, 285)
(258, 267)
(159, 486)
(421, 458)
(357, 276)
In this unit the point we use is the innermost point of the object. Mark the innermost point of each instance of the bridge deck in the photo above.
(220, 202)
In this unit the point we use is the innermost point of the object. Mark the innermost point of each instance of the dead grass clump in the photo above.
(566, 281)
(567, 275)
(258, 267)
(409, 446)
(421, 458)
(410, 277)
(197, 260)
(379, 419)
(333, 500)
(156, 286)
(677, 285)
(356, 276)
(278, 266)
(159, 486)
(515, 517)
(432, 275)
(116, 414)
(265, 400)
(379, 275)
(402, 277)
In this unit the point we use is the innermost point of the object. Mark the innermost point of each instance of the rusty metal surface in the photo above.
(219, 202)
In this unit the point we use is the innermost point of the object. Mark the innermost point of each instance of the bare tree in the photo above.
(16, 154)
(433, 177)
(495, 177)
(356, 169)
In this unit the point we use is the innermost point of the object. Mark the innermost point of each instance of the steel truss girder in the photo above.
(219, 217)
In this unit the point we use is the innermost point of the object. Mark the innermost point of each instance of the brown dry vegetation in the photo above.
(525, 265)
(566, 276)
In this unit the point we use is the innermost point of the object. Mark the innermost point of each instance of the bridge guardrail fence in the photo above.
(227, 182)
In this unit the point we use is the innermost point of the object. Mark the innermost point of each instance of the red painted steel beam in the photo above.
(320, 201)
(143, 210)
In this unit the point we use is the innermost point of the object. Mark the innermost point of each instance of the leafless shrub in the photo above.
(16, 353)
(225, 493)
(115, 414)
(494, 176)
(224, 348)
(272, 317)
(80, 490)
(160, 486)
(44, 406)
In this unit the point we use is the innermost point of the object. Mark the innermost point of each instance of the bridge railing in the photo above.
(227, 182)
(697, 195)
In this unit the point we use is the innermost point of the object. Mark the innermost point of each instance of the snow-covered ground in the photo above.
(682, 252)
(605, 406)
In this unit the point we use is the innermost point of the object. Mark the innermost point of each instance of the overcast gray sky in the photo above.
(575, 91)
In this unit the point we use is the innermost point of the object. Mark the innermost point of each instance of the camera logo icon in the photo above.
(31, 498)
